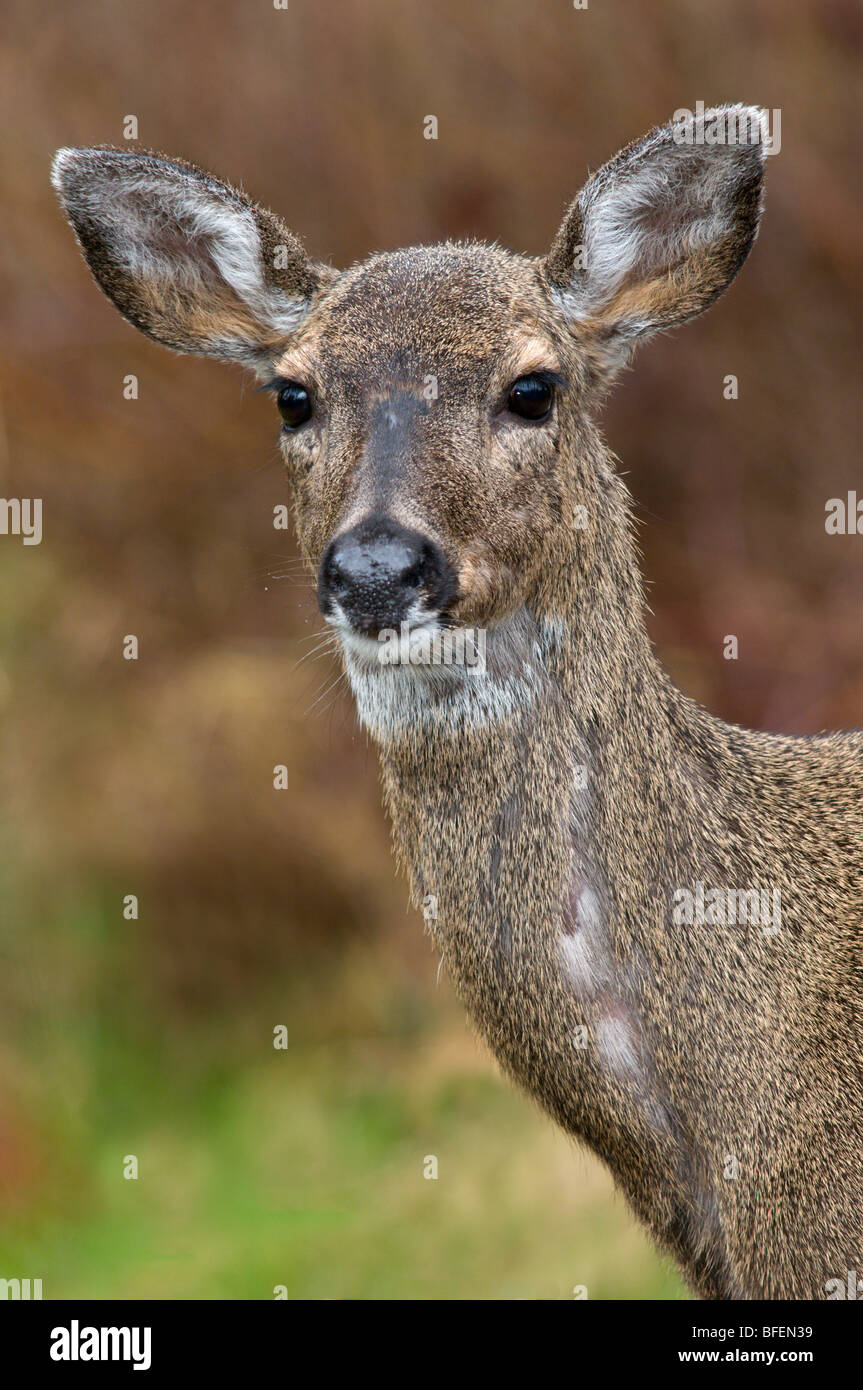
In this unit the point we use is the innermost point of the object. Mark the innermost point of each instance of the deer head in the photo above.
(437, 402)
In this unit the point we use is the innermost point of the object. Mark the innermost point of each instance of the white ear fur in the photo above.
(658, 204)
(174, 247)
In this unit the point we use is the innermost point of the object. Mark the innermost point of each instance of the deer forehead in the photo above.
(426, 316)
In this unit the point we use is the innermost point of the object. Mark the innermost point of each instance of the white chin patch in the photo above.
(419, 646)
(408, 647)
(428, 679)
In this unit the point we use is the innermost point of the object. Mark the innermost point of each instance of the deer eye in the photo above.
(295, 404)
(530, 397)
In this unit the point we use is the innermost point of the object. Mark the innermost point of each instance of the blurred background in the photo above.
(258, 908)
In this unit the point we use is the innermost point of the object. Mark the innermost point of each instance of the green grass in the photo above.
(302, 1168)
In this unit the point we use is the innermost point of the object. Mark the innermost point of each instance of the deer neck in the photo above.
(512, 789)
(528, 808)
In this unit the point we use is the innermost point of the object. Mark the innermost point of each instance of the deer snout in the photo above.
(379, 575)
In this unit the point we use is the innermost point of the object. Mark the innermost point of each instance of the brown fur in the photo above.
(733, 1117)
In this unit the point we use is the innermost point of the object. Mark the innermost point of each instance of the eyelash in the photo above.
(550, 378)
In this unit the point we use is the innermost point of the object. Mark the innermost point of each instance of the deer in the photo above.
(652, 917)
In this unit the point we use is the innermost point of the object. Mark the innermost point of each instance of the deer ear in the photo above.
(660, 231)
(188, 260)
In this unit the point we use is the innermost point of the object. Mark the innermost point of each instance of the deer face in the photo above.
(426, 403)
(435, 402)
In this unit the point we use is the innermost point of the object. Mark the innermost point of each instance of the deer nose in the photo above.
(380, 574)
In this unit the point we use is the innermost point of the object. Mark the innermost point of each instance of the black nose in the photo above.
(381, 574)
